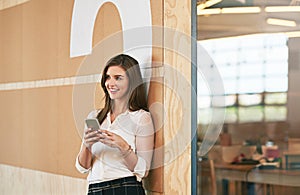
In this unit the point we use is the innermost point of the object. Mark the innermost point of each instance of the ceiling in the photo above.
(224, 25)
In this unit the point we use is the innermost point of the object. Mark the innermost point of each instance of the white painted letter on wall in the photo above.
(136, 25)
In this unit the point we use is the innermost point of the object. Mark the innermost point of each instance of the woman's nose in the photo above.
(111, 82)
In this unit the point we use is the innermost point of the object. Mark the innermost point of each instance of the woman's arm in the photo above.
(144, 144)
(144, 150)
(85, 155)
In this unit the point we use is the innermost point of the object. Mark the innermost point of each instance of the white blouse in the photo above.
(136, 128)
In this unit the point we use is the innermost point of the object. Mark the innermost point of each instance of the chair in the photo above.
(207, 177)
(292, 154)
(213, 177)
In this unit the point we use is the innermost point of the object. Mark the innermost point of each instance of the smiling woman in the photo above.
(117, 83)
(118, 155)
(40, 82)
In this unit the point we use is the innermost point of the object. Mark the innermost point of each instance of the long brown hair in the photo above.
(137, 99)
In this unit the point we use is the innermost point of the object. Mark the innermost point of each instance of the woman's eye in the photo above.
(118, 78)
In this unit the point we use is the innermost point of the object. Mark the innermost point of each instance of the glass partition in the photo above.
(250, 49)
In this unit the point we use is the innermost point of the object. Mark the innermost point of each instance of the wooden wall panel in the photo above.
(69, 138)
(1, 42)
(40, 129)
(154, 182)
(39, 40)
(35, 38)
(158, 32)
(108, 22)
(11, 44)
(11, 127)
(38, 32)
(177, 173)
(69, 135)
(5, 4)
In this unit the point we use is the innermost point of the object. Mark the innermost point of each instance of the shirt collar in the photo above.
(125, 113)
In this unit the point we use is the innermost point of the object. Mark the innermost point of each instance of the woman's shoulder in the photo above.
(140, 112)
(142, 115)
(144, 122)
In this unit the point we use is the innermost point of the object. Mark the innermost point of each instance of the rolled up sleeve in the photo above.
(80, 168)
(140, 168)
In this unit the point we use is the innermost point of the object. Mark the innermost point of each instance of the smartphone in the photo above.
(92, 123)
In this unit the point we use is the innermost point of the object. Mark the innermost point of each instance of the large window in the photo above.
(254, 73)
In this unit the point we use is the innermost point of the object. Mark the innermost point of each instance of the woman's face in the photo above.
(117, 83)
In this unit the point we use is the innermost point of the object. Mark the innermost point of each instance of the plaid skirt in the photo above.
(122, 186)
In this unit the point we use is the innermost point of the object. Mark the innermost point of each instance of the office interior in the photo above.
(255, 47)
(41, 115)
(237, 118)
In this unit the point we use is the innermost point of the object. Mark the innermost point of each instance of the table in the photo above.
(251, 175)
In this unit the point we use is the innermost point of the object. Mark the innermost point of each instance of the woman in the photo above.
(118, 155)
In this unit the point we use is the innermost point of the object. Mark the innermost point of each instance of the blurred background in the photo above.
(255, 46)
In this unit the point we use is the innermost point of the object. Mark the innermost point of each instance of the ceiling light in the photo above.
(200, 7)
(231, 10)
(211, 2)
(209, 11)
(293, 34)
(282, 9)
(240, 10)
(207, 4)
(280, 22)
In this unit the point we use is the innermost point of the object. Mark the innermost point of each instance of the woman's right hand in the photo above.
(90, 137)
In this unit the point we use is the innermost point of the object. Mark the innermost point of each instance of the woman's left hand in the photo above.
(113, 140)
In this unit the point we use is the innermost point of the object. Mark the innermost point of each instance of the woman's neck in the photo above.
(119, 107)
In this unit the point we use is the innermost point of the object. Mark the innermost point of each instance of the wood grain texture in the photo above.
(154, 182)
(39, 130)
(39, 126)
(16, 180)
(35, 46)
(177, 170)
(33, 35)
(11, 45)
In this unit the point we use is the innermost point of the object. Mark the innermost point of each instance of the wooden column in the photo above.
(174, 59)
(177, 171)
(175, 175)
